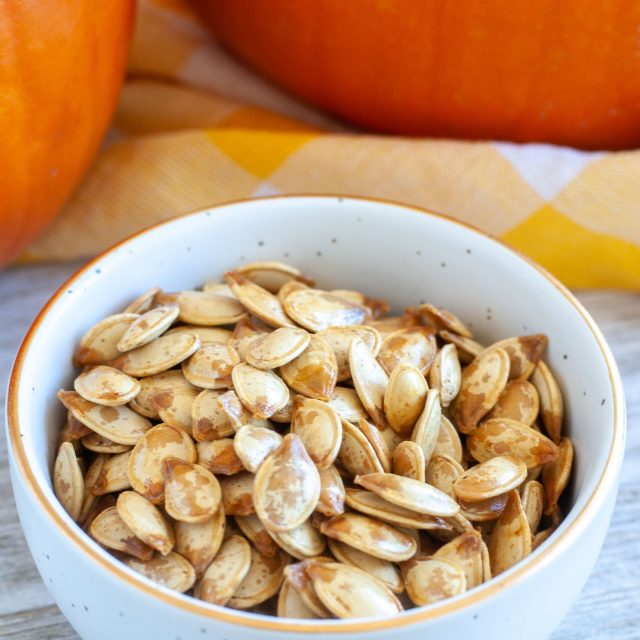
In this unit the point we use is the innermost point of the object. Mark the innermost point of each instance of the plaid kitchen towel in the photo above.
(195, 127)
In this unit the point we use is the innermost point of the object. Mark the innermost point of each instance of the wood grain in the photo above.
(608, 608)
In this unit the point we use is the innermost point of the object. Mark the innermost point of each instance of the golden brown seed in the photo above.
(331, 501)
(313, 373)
(275, 349)
(467, 348)
(272, 275)
(442, 472)
(482, 383)
(159, 355)
(466, 550)
(207, 335)
(255, 532)
(68, 483)
(340, 339)
(408, 461)
(210, 417)
(110, 530)
(204, 308)
(219, 456)
(484, 510)
(118, 424)
(501, 436)
(152, 385)
(347, 405)
(175, 407)
(287, 486)
(427, 428)
(524, 353)
(551, 404)
(146, 521)
(73, 430)
(253, 444)
(99, 344)
(296, 576)
(410, 494)
(445, 374)
(210, 366)
(556, 474)
(519, 401)
(357, 455)
(491, 478)
(369, 379)
(237, 414)
(113, 475)
(171, 571)
(448, 442)
(349, 592)
(261, 392)
(404, 398)
(291, 604)
(319, 428)
(442, 319)
(430, 580)
(191, 493)
(144, 302)
(237, 494)
(95, 442)
(106, 386)
(199, 542)
(510, 541)
(90, 478)
(147, 327)
(415, 346)
(376, 439)
(376, 538)
(145, 462)
(262, 581)
(305, 541)
(533, 503)
(541, 537)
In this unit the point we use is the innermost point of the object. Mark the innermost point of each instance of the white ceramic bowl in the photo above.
(387, 250)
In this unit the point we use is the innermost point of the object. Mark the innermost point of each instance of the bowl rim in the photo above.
(272, 623)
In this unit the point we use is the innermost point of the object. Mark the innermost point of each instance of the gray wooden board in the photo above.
(609, 606)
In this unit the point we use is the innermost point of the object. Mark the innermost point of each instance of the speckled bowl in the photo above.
(387, 250)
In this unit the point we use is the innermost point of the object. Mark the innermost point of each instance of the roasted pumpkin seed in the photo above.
(430, 580)
(253, 444)
(427, 428)
(524, 354)
(199, 542)
(466, 550)
(490, 478)
(146, 521)
(305, 541)
(519, 401)
(445, 374)
(204, 308)
(106, 386)
(408, 461)
(261, 392)
(442, 319)
(369, 379)
(510, 541)
(555, 474)
(68, 483)
(331, 501)
(171, 571)
(415, 346)
(551, 405)
(272, 275)
(210, 366)
(99, 344)
(404, 398)
(111, 531)
(219, 456)
(147, 327)
(533, 503)
(237, 494)
(256, 533)
(316, 310)
(347, 405)
(356, 454)
(340, 339)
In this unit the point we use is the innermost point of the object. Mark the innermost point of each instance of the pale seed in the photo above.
(272, 275)
(467, 348)
(203, 308)
(466, 550)
(111, 531)
(106, 386)
(147, 327)
(97, 443)
(275, 349)
(484, 510)
(430, 580)
(347, 405)
(152, 385)
(209, 417)
(171, 571)
(291, 604)
(448, 442)
(377, 441)
(369, 379)
(491, 478)
(207, 335)
(261, 392)
(68, 483)
(253, 444)
(356, 454)
(90, 478)
(415, 346)
(210, 366)
(404, 398)
(174, 407)
(340, 339)
(445, 374)
(144, 302)
(533, 503)
(296, 576)
(237, 494)
(442, 472)
(100, 343)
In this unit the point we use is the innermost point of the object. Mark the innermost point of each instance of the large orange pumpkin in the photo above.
(61, 67)
(531, 70)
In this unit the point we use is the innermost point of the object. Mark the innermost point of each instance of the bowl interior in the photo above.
(384, 250)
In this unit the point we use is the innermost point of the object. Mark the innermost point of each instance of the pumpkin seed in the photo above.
(207, 335)
(287, 486)
(203, 308)
(524, 354)
(275, 349)
(152, 385)
(467, 348)
(347, 405)
(541, 537)
(68, 483)
(415, 346)
(409, 493)
(441, 319)
(145, 521)
(316, 310)
(501, 436)
(466, 550)
(111, 531)
(219, 457)
(442, 471)
(118, 424)
(210, 366)
(245, 333)
(408, 461)
(519, 401)
(389, 324)
(95, 442)
(356, 454)
(175, 407)
(289, 287)
(533, 503)
(106, 386)
(556, 474)
(218, 288)
(375, 437)
(448, 442)
(373, 505)
(510, 541)
(261, 392)
(486, 510)
(291, 604)
(90, 478)
(146, 459)
(191, 492)
(99, 344)
(73, 430)
(313, 373)
(257, 300)
(253, 444)
(296, 576)
(302, 542)
(331, 501)
(349, 592)
(551, 405)
(237, 494)
(256, 533)
(209, 419)
(445, 374)
(427, 428)
(376, 538)
(404, 398)
(369, 379)
(199, 542)
(144, 302)
(100, 504)
(237, 414)
(113, 475)
(147, 327)
(482, 383)
(319, 428)
(490, 478)
(262, 581)
(430, 580)
(159, 355)
(340, 339)
(171, 571)
(272, 275)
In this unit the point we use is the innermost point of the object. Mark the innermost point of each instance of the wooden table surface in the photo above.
(608, 608)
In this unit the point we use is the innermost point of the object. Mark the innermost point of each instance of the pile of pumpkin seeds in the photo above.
(266, 445)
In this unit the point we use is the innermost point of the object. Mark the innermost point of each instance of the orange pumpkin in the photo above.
(533, 70)
(61, 67)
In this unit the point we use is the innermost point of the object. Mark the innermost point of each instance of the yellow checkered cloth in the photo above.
(194, 128)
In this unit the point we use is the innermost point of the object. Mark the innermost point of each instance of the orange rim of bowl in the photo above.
(192, 605)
